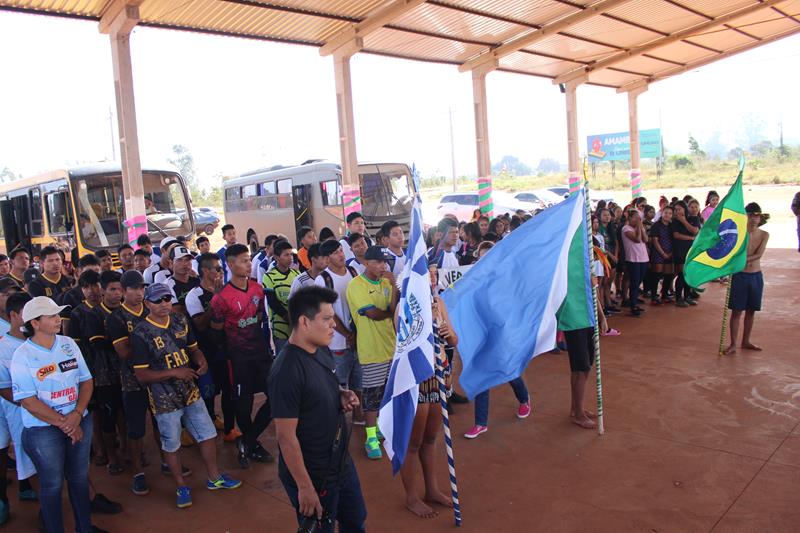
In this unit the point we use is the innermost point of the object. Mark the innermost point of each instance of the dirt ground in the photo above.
(693, 442)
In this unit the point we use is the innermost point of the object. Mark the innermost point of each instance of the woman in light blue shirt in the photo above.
(51, 381)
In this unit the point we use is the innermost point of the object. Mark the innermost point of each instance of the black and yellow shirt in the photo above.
(120, 325)
(42, 286)
(104, 358)
(160, 347)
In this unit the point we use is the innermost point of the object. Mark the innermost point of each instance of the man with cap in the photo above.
(163, 262)
(181, 281)
(167, 359)
(747, 286)
(7, 287)
(372, 298)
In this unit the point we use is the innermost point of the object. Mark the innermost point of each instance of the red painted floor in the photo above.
(693, 442)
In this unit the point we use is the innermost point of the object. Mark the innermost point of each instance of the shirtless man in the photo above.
(747, 286)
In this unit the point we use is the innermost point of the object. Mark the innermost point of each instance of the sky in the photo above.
(240, 104)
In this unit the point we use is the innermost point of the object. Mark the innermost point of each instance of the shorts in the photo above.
(193, 417)
(348, 369)
(136, 405)
(746, 291)
(248, 377)
(11, 431)
(109, 403)
(580, 347)
(372, 398)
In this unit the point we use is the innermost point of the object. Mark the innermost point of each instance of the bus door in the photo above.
(303, 216)
(15, 218)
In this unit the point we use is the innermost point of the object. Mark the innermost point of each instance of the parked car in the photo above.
(539, 198)
(206, 219)
(463, 204)
(563, 192)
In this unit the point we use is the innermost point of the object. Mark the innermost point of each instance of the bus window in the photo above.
(59, 216)
(268, 187)
(331, 192)
(100, 210)
(285, 194)
(36, 211)
(233, 199)
(249, 191)
(169, 216)
(386, 191)
(285, 186)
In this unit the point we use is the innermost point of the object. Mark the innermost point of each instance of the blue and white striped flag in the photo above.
(413, 356)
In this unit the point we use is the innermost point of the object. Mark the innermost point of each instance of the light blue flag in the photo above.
(413, 358)
(507, 307)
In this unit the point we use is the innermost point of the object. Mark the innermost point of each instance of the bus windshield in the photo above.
(101, 208)
(386, 191)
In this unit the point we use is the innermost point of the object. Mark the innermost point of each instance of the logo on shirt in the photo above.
(67, 349)
(255, 300)
(69, 364)
(244, 322)
(45, 371)
(69, 393)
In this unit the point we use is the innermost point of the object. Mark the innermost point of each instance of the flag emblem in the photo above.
(732, 231)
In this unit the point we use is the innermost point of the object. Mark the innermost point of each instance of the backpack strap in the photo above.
(352, 271)
(327, 278)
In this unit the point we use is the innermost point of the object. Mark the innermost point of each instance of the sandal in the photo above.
(611, 332)
(115, 470)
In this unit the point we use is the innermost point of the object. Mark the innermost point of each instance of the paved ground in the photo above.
(693, 442)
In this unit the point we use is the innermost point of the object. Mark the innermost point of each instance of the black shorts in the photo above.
(248, 377)
(136, 405)
(580, 347)
(109, 403)
(746, 291)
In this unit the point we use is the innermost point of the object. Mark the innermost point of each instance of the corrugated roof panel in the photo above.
(612, 77)
(764, 23)
(419, 46)
(543, 66)
(715, 8)
(560, 45)
(612, 32)
(351, 8)
(75, 7)
(645, 65)
(657, 14)
(431, 18)
(681, 52)
(721, 38)
(531, 11)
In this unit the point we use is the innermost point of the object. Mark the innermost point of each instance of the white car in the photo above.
(464, 204)
(539, 198)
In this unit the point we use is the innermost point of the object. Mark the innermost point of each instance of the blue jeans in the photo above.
(193, 417)
(343, 503)
(55, 458)
(482, 401)
(348, 369)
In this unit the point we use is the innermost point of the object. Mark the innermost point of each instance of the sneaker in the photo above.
(379, 434)
(691, 301)
(185, 472)
(636, 312)
(186, 439)
(655, 301)
(224, 482)
(373, 449)
(232, 435)
(139, 486)
(457, 398)
(261, 455)
(681, 303)
(184, 497)
(4, 511)
(28, 495)
(101, 504)
(475, 431)
(218, 423)
(241, 453)
(524, 410)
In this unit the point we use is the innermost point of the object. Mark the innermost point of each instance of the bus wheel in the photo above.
(209, 229)
(253, 243)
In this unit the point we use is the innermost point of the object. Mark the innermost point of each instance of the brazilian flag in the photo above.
(720, 248)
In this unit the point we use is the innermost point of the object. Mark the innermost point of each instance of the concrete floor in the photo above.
(693, 442)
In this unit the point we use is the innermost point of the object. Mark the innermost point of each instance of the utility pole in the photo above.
(111, 127)
(452, 148)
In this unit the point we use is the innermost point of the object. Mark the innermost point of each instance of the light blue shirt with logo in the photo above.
(52, 375)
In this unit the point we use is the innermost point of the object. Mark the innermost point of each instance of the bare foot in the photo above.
(586, 413)
(419, 508)
(751, 346)
(584, 422)
(439, 498)
(730, 350)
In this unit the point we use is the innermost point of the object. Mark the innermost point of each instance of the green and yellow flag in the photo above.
(720, 248)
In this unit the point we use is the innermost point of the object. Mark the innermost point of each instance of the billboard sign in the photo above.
(617, 146)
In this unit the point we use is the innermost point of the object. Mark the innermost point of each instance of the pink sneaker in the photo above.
(475, 431)
(524, 410)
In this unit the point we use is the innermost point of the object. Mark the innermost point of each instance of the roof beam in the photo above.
(658, 43)
(119, 16)
(542, 33)
(703, 62)
(374, 21)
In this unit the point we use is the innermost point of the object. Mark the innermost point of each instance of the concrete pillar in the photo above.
(637, 188)
(347, 135)
(479, 100)
(575, 179)
(118, 24)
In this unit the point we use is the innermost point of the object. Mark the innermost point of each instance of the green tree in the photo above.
(694, 147)
(8, 175)
(185, 162)
(548, 166)
(512, 166)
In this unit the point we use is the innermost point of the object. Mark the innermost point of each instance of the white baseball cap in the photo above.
(166, 241)
(41, 306)
(178, 251)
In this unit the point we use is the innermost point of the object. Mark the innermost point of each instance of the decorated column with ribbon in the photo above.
(485, 196)
(636, 183)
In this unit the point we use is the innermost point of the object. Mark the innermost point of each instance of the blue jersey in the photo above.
(8, 345)
(12, 411)
(226, 273)
(53, 376)
(4, 327)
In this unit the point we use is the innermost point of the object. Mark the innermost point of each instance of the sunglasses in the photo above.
(163, 299)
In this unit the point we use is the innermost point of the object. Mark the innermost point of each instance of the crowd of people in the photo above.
(89, 353)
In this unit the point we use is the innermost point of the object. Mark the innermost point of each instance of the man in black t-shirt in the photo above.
(167, 359)
(50, 282)
(181, 281)
(308, 407)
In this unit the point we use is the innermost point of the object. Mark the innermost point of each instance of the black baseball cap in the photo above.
(156, 292)
(8, 285)
(376, 253)
(132, 279)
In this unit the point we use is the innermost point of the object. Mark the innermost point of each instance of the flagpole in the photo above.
(598, 372)
(724, 320)
(451, 462)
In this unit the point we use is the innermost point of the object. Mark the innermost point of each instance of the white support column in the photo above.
(347, 135)
(633, 129)
(479, 100)
(118, 23)
(575, 179)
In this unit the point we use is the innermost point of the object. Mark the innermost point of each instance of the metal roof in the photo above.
(616, 43)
